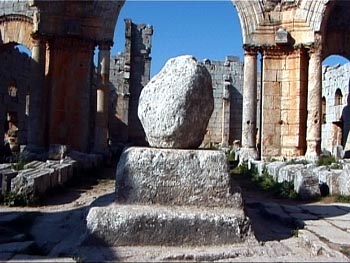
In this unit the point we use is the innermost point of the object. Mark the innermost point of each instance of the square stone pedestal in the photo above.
(171, 197)
(175, 177)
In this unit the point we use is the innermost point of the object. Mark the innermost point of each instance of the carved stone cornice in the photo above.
(250, 50)
(16, 17)
(316, 46)
(278, 51)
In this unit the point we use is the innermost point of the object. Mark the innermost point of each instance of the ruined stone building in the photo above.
(335, 107)
(129, 73)
(293, 37)
(14, 89)
(64, 107)
(225, 124)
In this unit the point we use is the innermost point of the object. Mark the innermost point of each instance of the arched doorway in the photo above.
(336, 50)
(335, 82)
(294, 43)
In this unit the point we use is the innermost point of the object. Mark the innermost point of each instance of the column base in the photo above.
(247, 154)
(313, 151)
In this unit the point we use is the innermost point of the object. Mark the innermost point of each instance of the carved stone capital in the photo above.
(105, 45)
(250, 50)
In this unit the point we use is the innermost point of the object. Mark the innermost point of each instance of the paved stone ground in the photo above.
(285, 231)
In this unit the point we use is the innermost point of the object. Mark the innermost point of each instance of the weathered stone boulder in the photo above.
(176, 105)
(175, 177)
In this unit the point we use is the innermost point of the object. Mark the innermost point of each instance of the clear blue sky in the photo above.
(205, 29)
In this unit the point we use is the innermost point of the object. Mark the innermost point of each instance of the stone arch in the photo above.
(313, 12)
(250, 14)
(335, 29)
(16, 28)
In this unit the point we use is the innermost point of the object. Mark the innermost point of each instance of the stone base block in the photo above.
(129, 225)
(247, 154)
(175, 177)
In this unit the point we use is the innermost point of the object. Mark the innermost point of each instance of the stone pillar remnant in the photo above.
(101, 121)
(314, 105)
(225, 124)
(37, 101)
(249, 150)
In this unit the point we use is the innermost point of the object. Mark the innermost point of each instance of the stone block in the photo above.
(288, 172)
(329, 179)
(53, 174)
(62, 174)
(274, 168)
(6, 176)
(35, 165)
(344, 181)
(306, 184)
(42, 181)
(128, 225)
(57, 151)
(175, 177)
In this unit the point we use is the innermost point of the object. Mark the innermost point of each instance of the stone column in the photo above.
(36, 118)
(225, 122)
(101, 121)
(314, 105)
(248, 150)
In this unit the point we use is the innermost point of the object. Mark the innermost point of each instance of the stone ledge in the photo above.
(128, 225)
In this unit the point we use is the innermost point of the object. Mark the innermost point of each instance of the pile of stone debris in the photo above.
(35, 178)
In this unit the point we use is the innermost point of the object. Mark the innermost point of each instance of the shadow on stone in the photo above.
(274, 222)
(53, 235)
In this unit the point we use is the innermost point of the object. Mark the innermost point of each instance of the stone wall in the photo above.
(14, 88)
(284, 104)
(336, 117)
(225, 124)
(16, 8)
(129, 73)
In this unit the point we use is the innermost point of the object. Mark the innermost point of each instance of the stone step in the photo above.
(129, 225)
